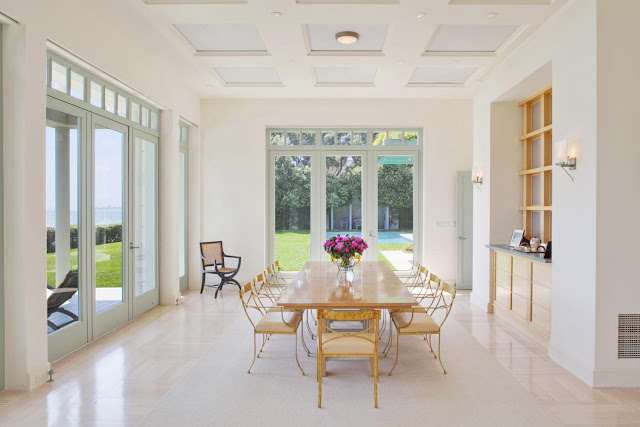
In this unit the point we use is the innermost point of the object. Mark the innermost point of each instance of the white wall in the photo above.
(234, 165)
(594, 61)
(115, 37)
(568, 41)
(618, 174)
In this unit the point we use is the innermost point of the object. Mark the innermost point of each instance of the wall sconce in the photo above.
(562, 157)
(477, 177)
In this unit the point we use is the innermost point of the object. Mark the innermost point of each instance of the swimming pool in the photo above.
(383, 236)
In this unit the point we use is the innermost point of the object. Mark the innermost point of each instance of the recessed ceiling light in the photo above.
(492, 14)
(209, 85)
(276, 13)
(347, 37)
(420, 14)
(454, 62)
(291, 61)
(401, 62)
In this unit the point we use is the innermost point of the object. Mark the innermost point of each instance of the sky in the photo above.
(108, 168)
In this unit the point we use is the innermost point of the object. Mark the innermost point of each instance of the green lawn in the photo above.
(293, 249)
(108, 265)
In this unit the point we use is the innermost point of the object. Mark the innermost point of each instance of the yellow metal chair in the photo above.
(273, 321)
(420, 321)
(360, 344)
(414, 274)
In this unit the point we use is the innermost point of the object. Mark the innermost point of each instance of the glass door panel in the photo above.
(343, 196)
(110, 141)
(395, 207)
(292, 180)
(144, 226)
(66, 315)
(182, 220)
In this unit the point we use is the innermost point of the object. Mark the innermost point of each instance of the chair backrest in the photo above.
(64, 291)
(250, 301)
(365, 334)
(444, 300)
(212, 251)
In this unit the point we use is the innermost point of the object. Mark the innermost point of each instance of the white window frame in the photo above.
(318, 153)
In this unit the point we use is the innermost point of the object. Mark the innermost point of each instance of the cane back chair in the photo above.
(212, 254)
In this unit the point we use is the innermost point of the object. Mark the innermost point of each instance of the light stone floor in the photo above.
(119, 378)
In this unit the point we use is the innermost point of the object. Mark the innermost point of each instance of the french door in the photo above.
(101, 224)
(371, 193)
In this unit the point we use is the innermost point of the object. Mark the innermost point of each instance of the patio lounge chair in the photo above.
(213, 256)
(60, 295)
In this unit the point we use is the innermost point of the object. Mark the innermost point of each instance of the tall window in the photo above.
(101, 206)
(362, 182)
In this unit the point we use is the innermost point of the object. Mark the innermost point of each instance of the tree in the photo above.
(292, 191)
(395, 190)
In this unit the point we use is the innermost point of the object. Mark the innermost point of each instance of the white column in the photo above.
(194, 215)
(331, 222)
(63, 216)
(168, 208)
(25, 272)
(386, 217)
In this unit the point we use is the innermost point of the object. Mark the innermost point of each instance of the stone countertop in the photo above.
(534, 256)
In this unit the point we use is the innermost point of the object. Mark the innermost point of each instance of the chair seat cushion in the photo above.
(348, 345)
(272, 322)
(421, 322)
(221, 270)
(286, 310)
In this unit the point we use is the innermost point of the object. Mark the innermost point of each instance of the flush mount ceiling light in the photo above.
(276, 13)
(492, 14)
(420, 14)
(347, 37)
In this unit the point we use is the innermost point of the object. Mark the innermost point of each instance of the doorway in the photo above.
(464, 226)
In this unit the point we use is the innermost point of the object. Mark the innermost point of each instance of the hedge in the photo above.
(104, 234)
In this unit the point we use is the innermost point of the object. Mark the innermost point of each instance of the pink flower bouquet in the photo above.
(345, 250)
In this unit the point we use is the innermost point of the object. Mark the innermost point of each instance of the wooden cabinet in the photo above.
(522, 293)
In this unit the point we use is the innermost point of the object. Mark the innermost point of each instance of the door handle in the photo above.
(371, 235)
(462, 238)
(133, 247)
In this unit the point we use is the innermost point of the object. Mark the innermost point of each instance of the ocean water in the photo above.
(104, 216)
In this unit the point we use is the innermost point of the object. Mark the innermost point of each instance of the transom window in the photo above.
(343, 137)
(72, 80)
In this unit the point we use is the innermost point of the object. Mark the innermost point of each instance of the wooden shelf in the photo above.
(535, 133)
(536, 170)
(535, 208)
(533, 97)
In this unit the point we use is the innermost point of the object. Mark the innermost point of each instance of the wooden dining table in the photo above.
(373, 285)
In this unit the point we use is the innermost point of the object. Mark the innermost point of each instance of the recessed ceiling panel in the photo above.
(441, 75)
(222, 37)
(322, 37)
(264, 75)
(345, 75)
(470, 38)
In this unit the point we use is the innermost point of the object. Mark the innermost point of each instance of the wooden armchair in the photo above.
(213, 255)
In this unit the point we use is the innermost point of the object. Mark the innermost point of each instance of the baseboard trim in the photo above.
(571, 364)
(616, 377)
(480, 302)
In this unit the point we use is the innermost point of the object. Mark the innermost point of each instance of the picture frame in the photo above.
(516, 238)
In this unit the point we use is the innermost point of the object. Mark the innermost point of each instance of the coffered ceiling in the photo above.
(405, 48)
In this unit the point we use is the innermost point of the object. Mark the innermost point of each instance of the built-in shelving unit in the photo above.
(537, 164)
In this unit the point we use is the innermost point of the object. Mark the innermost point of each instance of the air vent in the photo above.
(628, 336)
